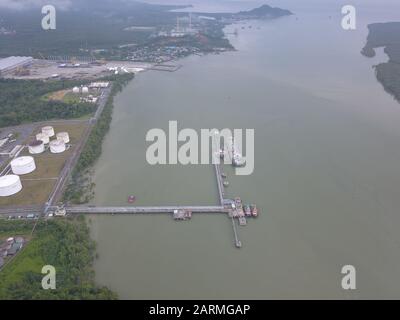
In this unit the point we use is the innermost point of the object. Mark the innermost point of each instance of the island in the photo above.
(386, 35)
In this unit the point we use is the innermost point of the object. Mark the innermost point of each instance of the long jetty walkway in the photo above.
(144, 210)
(220, 183)
(222, 208)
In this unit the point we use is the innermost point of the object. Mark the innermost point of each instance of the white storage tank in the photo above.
(85, 90)
(63, 136)
(75, 90)
(23, 165)
(36, 147)
(48, 130)
(10, 185)
(43, 137)
(57, 146)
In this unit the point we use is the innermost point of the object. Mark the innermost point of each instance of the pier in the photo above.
(238, 243)
(165, 67)
(220, 183)
(232, 208)
(143, 210)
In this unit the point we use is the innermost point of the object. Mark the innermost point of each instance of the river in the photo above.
(326, 179)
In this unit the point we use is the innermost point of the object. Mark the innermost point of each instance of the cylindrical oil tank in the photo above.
(23, 165)
(57, 146)
(48, 130)
(63, 136)
(43, 137)
(10, 185)
(36, 147)
(85, 90)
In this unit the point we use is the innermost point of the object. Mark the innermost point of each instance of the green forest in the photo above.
(21, 102)
(64, 244)
(80, 186)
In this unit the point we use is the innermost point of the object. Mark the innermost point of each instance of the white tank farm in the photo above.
(63, 136)
(43, 137)
(10, 185)
(48, 130)
(36, 147)
(57, 146)
(23, 165)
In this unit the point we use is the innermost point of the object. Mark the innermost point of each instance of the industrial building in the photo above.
(36, 147)
(48, 130)
(13, 152)
(12, 63)
(63, 136)
(23, 165)
(57, 146)
(10, 185)
(99, 85)
(43, 137)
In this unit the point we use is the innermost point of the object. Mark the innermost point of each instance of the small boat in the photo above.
(131, 199)
(226, 184)
(247, 211)
(254, 210)
(242, 221)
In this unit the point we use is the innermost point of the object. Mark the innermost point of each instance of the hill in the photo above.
(386, 35)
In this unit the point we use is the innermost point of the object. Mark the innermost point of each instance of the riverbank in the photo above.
(80, 186)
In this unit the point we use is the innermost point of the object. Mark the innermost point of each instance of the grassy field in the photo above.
(38, 185)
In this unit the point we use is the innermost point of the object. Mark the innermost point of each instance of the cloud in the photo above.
(31, 4)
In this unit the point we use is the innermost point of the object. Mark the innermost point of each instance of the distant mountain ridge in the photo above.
(265, 11)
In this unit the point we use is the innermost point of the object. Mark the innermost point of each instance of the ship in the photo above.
(247, 211)
(238, 160)
(254, 210)
(131, 199)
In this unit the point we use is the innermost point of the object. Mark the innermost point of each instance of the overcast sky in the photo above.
(28, 4)
(218, 5)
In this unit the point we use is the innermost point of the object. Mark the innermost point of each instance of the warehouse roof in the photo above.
(13, 61)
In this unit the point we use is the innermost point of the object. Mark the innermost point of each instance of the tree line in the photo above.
(80, 187)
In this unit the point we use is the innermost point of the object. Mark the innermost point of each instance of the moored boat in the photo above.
(247, 211)
(254, 210)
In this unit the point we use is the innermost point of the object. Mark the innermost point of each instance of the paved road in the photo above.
(15, 211)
